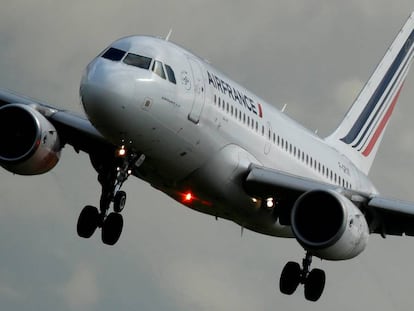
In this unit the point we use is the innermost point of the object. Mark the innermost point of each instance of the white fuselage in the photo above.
(201, 133)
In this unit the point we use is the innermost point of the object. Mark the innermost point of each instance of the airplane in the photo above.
(158, 112)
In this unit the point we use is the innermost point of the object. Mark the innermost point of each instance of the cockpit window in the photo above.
(157, 68)
(170, 74)
(138, 61)
(114, 54)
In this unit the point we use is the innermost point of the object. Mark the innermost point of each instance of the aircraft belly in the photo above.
(216, 189)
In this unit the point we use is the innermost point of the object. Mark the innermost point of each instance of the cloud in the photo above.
(346, 92)
(313, 55)
(81, 292)
(8, 293)
(211, 286)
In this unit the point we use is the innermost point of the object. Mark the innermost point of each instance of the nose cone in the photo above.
(106, 91)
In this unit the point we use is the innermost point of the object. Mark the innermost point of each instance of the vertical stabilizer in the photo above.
(361, 131)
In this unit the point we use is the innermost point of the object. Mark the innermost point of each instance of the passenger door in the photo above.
(199, 91)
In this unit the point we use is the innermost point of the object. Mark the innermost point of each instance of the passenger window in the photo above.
(114, 54)
(170, 74)
(157, 68)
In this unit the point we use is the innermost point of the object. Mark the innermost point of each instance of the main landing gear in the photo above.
(293, 275)
(112, 173)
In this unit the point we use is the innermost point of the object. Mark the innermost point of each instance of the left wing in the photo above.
(384, 215)
(73, 129)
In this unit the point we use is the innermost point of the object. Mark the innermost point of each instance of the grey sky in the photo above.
(313, 55)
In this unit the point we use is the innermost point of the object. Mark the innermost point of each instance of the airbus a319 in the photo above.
(157, 112)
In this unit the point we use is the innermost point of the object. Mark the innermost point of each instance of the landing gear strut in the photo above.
(112, 173)
(293, 275)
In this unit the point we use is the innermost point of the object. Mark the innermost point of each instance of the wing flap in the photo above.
(396, 217)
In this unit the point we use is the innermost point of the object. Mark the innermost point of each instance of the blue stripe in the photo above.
(372, 103)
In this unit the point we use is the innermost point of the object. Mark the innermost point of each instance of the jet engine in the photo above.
(329, 225)
(29, 143)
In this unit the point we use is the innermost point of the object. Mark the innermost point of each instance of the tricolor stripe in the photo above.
(382, 124)
(369, 125)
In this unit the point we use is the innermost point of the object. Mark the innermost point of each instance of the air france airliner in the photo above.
(157, 112)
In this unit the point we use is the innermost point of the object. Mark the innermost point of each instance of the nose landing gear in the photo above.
(112, 173)
(293, 275)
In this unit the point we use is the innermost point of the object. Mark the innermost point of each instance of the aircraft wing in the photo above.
(386, 216)
(73, 129)
(396, 217)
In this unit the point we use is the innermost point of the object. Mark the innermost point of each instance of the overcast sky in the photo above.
(313, 55)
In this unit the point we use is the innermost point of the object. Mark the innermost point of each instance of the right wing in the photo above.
(385, 216)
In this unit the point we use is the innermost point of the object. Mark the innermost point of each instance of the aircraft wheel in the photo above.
(119, 201)
(290, 278)
(88, 221)
(314, 285)
(112, 228)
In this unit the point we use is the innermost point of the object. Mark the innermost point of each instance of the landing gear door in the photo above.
(199, 91)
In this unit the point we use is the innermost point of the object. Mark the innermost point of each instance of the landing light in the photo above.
(270, 203)
(121, 151)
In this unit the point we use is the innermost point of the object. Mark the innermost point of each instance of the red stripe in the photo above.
(260, 110)
(382, 124)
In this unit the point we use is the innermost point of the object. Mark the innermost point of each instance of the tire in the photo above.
(88, 221)
(314, 285)
(119, 201)
(290, 278)
(112, 228)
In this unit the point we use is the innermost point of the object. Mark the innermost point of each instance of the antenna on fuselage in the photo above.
(167, 38)
(284, 107)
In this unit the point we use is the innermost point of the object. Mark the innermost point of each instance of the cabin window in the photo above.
(137, 61)
(157, 68)
(170, 74)
(114, 54)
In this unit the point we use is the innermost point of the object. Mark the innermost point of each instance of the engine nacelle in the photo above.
(329, 225)
(29, 143)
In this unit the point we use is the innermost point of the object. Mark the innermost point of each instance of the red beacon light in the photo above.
(188, 197)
